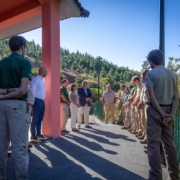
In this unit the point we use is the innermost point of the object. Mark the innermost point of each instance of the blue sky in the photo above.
(120, 31)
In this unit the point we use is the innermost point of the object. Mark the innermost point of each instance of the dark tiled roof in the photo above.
(84, 12)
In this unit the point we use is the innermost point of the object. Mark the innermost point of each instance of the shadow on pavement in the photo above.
(91, 145)
(98, 138)
(60, 159)
(102, 166)
(110, 134)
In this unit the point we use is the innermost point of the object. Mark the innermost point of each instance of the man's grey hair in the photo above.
(84, 82)
(109, 85)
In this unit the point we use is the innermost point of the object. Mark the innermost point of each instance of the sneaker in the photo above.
(124, 128)
(35, 139)
(41, 137)
(144, 141)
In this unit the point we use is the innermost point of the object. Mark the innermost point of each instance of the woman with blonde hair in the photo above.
(74, 106)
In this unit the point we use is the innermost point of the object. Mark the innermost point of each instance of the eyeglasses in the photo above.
(25, 48)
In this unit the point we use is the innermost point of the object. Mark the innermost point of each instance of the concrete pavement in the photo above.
(104, 152)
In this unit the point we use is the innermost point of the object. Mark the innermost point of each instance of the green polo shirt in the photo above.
(133, 90)
(12, 70)
(64, 92)
(126, 98)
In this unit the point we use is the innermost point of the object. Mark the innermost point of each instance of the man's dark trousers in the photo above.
(38, 115)
(157, 132)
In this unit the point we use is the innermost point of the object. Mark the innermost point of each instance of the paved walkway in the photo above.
(104, 152)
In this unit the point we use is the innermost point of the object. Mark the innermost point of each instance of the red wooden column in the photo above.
(51, 61)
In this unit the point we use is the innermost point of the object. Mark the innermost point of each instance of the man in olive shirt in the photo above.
(65, 103)
(14, 120)
(163, 95)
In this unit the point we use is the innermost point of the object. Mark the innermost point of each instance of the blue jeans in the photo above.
(38, 115)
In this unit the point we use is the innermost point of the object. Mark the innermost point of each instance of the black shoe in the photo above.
(65, 131)
(30, 145)
(41, 137)
(29, 150)
(88, 127)
(35, 139)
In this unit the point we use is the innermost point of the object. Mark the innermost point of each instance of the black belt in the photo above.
(18, 99)
(163, 105)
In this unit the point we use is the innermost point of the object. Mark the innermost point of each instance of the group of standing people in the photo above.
(146, 109)
(79, 103)
(133, 103)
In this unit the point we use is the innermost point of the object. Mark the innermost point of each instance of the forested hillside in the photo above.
(82, 66)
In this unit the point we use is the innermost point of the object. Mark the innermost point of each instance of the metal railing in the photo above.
(177, 132)
(98, 110)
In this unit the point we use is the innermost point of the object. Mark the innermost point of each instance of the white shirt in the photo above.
(38, 87)
(86, 91)
(31, 98)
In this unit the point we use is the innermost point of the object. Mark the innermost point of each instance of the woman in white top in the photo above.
(74, 106)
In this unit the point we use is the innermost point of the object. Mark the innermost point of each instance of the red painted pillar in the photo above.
(51, 61)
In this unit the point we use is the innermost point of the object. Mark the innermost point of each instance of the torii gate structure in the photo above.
(18, 16)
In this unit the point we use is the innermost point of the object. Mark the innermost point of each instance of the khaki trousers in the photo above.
(132, 107)
(142, 119)
(110, 108)
(127, 120)
(14, 126)
(137, 119)
(121, 112)
(145, 119)
(64, 111)
(157, 132)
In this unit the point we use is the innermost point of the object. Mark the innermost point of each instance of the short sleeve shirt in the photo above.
(144, 95)
(12, 70)
(164, 82)
(109, 97)
(139, 89)
(31, 97)
(64, 92)
(75, 96)
(126, 98)
(133, 90)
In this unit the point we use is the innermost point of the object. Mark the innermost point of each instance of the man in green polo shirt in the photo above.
(65, 103)
(15, 71)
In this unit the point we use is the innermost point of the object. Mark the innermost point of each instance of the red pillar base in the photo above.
(51, 61)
